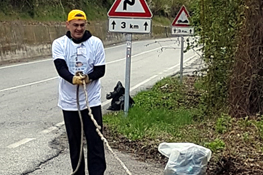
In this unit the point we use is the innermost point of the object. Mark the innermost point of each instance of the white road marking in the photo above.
(21, 142)
(143, 82)
(134, 55)
(52, 128)
(60, 124)
(154, 76)
(29, 84)
(115, 46)
(22, 64)
(48, 130)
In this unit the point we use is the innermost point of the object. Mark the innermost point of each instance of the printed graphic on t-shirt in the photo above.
(78, 63)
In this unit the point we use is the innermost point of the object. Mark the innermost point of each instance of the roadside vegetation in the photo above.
(174, 112)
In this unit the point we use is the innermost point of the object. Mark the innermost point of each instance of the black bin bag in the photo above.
(118, 98)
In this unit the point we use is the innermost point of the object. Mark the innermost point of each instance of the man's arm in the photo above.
(98, 72)
(62, 69)
(60, 63)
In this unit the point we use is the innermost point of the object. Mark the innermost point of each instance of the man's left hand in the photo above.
(83, 77)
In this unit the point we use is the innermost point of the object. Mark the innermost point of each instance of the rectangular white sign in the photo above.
(182, 30)
(130, 25)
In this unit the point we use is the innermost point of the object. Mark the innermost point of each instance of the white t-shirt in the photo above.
(79, 57)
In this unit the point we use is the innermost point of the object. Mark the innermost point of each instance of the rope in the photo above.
(82, 133)
(98, 128)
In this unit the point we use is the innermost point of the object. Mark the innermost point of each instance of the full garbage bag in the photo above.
(118, 98)
(185, 158)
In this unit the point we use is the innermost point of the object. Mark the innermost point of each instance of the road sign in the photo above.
(130, 8)
(182, 30)
(182, 18)
(181, 24)
(126, 25)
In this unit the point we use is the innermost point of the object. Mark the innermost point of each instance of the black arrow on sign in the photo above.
(113, 24)
(146, 25)
(127, 2)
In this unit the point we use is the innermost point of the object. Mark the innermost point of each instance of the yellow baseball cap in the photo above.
(76, 14)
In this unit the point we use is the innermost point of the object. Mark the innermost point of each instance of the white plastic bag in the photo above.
(185, 158)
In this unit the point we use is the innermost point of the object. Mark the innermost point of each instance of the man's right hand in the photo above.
(77, 80)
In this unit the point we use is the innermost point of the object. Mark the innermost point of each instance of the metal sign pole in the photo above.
(128, 73)
(182, 59)
(183, 29)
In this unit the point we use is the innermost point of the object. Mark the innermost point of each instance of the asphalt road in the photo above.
(30, 120)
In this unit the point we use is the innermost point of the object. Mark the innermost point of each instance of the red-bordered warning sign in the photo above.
(182, 18)
(130, 8)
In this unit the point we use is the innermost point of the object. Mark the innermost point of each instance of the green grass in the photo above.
(216, 145)
(158, 112)
(151, 124)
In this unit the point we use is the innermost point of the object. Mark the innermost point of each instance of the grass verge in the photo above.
(173, 112)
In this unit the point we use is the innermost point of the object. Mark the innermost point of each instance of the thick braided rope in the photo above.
(81, 133)
(98, 127)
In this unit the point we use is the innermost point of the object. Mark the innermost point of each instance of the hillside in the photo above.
(56, 10)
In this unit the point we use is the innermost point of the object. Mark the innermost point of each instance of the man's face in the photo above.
(76, 28)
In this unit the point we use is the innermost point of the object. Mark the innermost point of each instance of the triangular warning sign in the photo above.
(182, 18)
(130, 8)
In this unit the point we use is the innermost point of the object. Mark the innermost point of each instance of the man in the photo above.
(79, 51)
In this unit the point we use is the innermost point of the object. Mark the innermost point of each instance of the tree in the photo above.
(246, 87)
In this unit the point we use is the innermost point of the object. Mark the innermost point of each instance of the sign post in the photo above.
(181, 27)
(128, 72)
(129, 16)
(182, 60)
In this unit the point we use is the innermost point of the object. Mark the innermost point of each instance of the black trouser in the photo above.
(96, 155)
